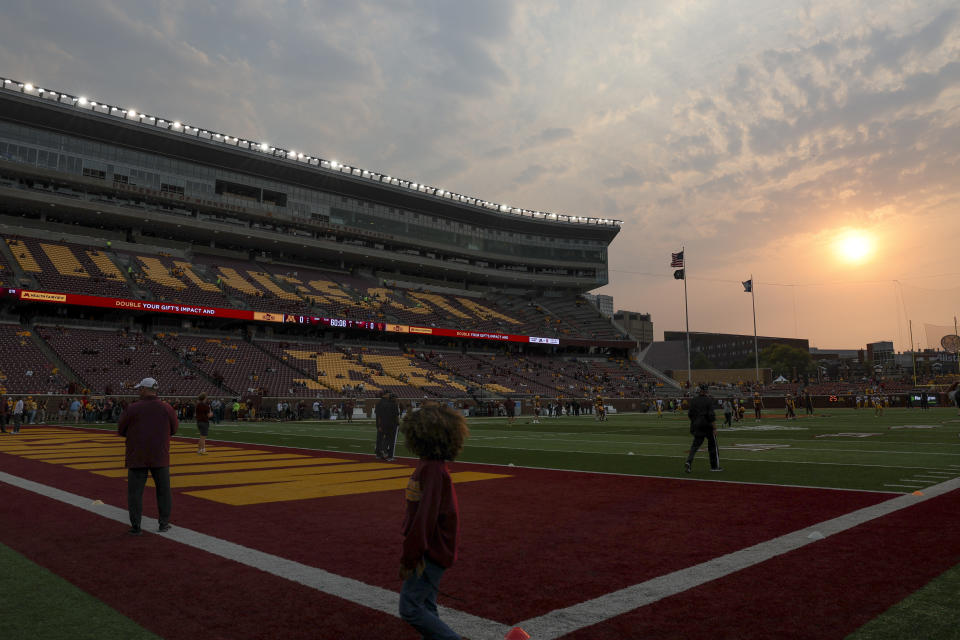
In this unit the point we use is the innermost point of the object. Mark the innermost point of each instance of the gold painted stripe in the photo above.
(179, 461)
(335, 473)
(240, 466)
(308, 489)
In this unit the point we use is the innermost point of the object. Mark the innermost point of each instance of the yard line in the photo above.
(899, 485)
(567, 620)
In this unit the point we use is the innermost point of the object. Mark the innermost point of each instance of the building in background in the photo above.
(638, 325)
(602, 302)
(726, 350)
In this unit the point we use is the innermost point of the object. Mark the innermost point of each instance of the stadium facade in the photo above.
(155, 177)
(133, 244)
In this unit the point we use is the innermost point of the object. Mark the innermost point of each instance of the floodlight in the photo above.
(176, 125)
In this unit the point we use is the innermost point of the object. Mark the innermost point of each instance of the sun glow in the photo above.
(854, 246)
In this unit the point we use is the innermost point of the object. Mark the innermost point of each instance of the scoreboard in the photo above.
(74, 299)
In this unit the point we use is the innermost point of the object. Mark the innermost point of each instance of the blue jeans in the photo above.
(418, 603)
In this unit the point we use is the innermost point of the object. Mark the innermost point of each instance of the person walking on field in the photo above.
(703, 426)
(147, 426)
(388, 421)
(727, 413)
(431, 526)
(202, 412)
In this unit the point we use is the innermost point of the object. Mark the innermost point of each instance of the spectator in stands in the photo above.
(203, 413)
(431, 524)
(147, 426)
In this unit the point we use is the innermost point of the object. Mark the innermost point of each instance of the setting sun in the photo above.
(854, 246)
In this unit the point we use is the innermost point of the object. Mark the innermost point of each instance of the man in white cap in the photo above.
(147, 425)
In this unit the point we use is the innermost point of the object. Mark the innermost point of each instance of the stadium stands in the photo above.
(252, 286)
(112, 362)
(67, 267)
(173, 280)
(239, 365)
(25, 369)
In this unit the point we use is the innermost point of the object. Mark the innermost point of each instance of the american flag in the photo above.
(676, 259)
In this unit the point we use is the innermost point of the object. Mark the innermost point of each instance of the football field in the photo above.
(836, 525)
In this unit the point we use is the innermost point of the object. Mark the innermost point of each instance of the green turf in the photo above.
(931, 612)
(875, 456)
(38, 605)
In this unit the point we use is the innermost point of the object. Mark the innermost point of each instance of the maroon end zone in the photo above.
(534, 542)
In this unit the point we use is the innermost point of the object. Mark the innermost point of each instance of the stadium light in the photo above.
(82, 101)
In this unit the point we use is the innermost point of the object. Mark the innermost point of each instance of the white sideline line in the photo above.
(546, 627)
(349, 589)
(570, 619)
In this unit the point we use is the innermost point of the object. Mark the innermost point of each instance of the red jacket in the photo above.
(147, 425)
(432, 522)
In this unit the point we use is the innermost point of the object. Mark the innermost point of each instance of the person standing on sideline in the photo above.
(431, 526)
(17, 415)
(202, 413)
(147, 425)
(388, 422)
(703, 426)
(727, 413)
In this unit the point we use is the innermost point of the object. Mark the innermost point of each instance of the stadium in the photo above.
(296, 291)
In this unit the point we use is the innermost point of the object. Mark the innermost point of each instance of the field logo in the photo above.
(916, 426)
(847, 435)
(756, 447)
(764, 427)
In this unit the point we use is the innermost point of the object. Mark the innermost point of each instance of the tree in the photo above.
(787, 361)
(700, 361)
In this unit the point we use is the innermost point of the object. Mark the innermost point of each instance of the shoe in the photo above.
(687, 467)
(389, 459)
(717, 469)
(164, 527)
(135, 531)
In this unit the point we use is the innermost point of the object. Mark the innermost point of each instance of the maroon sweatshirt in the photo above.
(432, 522)
(147, 425)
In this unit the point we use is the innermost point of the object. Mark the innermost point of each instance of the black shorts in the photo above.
(203, 427)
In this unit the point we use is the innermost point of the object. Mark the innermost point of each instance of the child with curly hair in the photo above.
(435, 433)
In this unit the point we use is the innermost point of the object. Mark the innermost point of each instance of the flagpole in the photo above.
(756, 350)
(686, 313)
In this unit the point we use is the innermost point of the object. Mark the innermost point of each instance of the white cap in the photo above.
(148, 383)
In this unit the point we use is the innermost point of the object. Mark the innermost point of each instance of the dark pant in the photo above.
(418, 603)
(711, 439)
(386, 441)
(136, 481)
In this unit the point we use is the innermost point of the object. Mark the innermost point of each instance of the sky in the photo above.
(812, 145)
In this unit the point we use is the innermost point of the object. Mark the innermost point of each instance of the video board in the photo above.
(125, 304)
